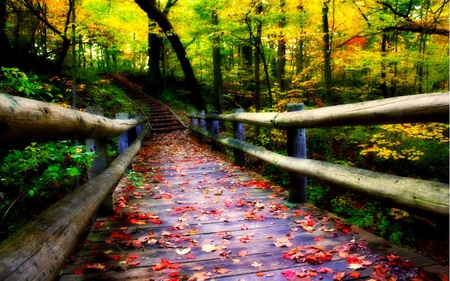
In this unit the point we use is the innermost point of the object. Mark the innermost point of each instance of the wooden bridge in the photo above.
(188, 214)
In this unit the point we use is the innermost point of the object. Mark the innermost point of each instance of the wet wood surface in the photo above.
(185, 213)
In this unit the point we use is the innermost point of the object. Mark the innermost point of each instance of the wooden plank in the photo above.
(244, 217)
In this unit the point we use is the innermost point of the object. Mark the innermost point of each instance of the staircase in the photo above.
(162, 118)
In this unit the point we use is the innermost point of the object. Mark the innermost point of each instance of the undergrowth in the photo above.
(36, 175)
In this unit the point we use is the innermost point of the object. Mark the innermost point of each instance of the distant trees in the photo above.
(245, 53)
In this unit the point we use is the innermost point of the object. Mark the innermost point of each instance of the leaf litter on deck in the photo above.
(196, 217)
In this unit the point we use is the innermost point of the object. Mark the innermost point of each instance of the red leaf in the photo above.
(288, 273)
(118, 235)
(354, 274)
(133, 263)
(78, 271)
(163, 264)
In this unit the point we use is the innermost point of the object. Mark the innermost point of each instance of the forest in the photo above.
(225, 54)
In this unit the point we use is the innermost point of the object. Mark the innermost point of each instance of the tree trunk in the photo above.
(166, 26)
(4, 44)
(281, 54)
(217, 64)
(257, 68)
(154, 56)
(383, 83)
(326, 53)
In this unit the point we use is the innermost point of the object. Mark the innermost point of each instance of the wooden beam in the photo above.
(420, 196)
(406, 109)
(39, 250)
(29, 120)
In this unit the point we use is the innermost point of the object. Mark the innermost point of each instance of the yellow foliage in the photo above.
(386, 149)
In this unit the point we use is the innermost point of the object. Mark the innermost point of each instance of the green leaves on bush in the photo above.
(18, 83)
(36, 177)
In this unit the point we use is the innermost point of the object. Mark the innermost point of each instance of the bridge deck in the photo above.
(197, 217)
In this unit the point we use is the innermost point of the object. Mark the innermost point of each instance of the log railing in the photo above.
(421, 196)
(39, 250)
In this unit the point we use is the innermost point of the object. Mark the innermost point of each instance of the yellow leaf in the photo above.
(208, 248)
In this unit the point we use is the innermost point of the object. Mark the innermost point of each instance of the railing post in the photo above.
(99, 164)
(202, 122)
(214, 129)
(141, 127)
(194, 121)
(132, 134)
(296, 147)
(238, 133)
(123, 140)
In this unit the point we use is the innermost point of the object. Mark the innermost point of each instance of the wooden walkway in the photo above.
(197, 217)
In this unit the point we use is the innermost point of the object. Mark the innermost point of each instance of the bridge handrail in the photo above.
(39, 249)
(421, 196)
(32, 120)
(421, 108)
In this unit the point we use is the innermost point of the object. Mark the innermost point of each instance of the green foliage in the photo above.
(135, 178)
(38, 173)
(109, 97)
(317, 192)
(16, 82)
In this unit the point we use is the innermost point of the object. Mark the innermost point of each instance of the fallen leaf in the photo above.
(221, 270)
(256, 264)
(339, 276)
(242, 253)
(283, 242)
(355, 266)
(354, 274)
(197, 268)
(208, 248)
(325, 270)
(183, 251)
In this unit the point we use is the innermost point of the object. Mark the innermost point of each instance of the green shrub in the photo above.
(38, 174)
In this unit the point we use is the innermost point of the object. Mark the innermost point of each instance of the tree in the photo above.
(166, 26)
(217, 64)
(326, 52)
(4, 45)
(40, 13)
(281, 54)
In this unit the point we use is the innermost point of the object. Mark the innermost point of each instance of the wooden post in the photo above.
(202, 122)
(214, 128)
(296, 147)
(141, 127)
(123, 141)
(194, 121)
(132, 134)
(238, 133)
(99, 164)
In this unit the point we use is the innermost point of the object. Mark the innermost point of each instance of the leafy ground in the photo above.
(186, 213)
